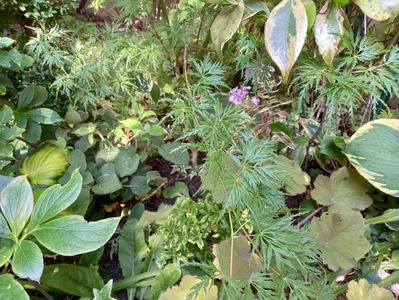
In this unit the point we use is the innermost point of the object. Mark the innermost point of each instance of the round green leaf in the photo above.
(28, 261)
(285, 34)
(11, 289)
(373, 151)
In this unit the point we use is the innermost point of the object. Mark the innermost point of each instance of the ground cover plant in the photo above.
(199, 149)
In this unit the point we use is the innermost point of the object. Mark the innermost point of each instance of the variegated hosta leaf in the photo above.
(185, 287)
(285, 34)
(45, 165)
(379, 10)
(226, 24)
(342, 238)
(365, 291)
(374, 151)
(328, 29)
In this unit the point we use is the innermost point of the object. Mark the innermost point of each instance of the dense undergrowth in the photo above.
(199, 149)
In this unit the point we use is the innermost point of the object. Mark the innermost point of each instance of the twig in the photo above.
(185, 67)
(152, 193)
(310, 216)
(26, 142)
(41, 289)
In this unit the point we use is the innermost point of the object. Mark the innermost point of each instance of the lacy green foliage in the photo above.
(191, 229)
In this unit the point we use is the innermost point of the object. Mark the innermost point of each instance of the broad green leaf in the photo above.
(342, 238)
(44, 166)
(106, 184)
(139, 186)
(156, 130)
(28, 261)
(295, 180)
(365, 291)
(6, 42)
(174, 153)
(343, 189)
(5, 231)
(239, 263)
(91, 258)
(84, 129)
(126, 162)
(107, 155)
(226, 24)
(311, 12)
(10, 289)
(184, 289)
(390, 215)
(373, 151)
(44, 116)
(105, 293)
(328, 29)
(33, 131)
(55, 199)
(10, 133)
(6, 114)
(379, 10)
(72, 280)
(253, 7)
(169, 275)
(40, 96)
(285, 34)
(72, 116)
(16, 203)
(5, 255)
(72, 235)
(132, 250)
(26, 96)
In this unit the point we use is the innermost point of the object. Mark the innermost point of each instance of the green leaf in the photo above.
(105, 293)
(55, 199)
(285, 34)
(44, 166)
(239, 263)
(132, 250)
(158, 217)
(343, 189)
(16, 203)
(5, 231)
(311, 12)
(174, 153)
(11, 289)
(342, 238)
(44, 116)
(72, 235)
(295, 180)
(5, 255)
(6, 42)
(72, 280)
(72, 116)
(126, 162)
(84, 129)
(169, 275)
(226, 24)
(139, 186)
(253, 7)
(379, 10)
(372, 150)
(107, 184)
(328, 30)
(184, 289)
(365, 291)
(3, 90)
(107, 155)
(6, 114)
(26, 96)
(28, 261)
(156, 130)
(40, 96)
(390, 215)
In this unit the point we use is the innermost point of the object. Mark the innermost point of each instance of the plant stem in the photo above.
(390, 280)
(231, 244)
(310, 216)
(133, 281)
(39, 288)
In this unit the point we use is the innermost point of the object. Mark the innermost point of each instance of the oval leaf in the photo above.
(28, 261)
(328, 29)
(379, 10)
(14, 289)
(372, 150)
(72, 235)
(285, 34)
(226, 24)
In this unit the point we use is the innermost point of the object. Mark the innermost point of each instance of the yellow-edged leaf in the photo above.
(379, 10)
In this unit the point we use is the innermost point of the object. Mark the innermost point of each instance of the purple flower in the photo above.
(255, 100)
(237, 95)
(246, 72)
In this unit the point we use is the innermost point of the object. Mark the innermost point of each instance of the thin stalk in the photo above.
(310, 216)
(39, 288)
(231, 244)
(390, 280)
(133, 281)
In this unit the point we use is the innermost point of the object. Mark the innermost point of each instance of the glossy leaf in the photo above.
(72, 235)
(28, 261)
(372, 150)
(379, 10)
(16, 203)
(285, 34)
(44, 166)
(72, 280)
(55, 199)
(11, 289)
(328, 29)
(363, 290)
(342, 238)
(343, 189)
(226, 24)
